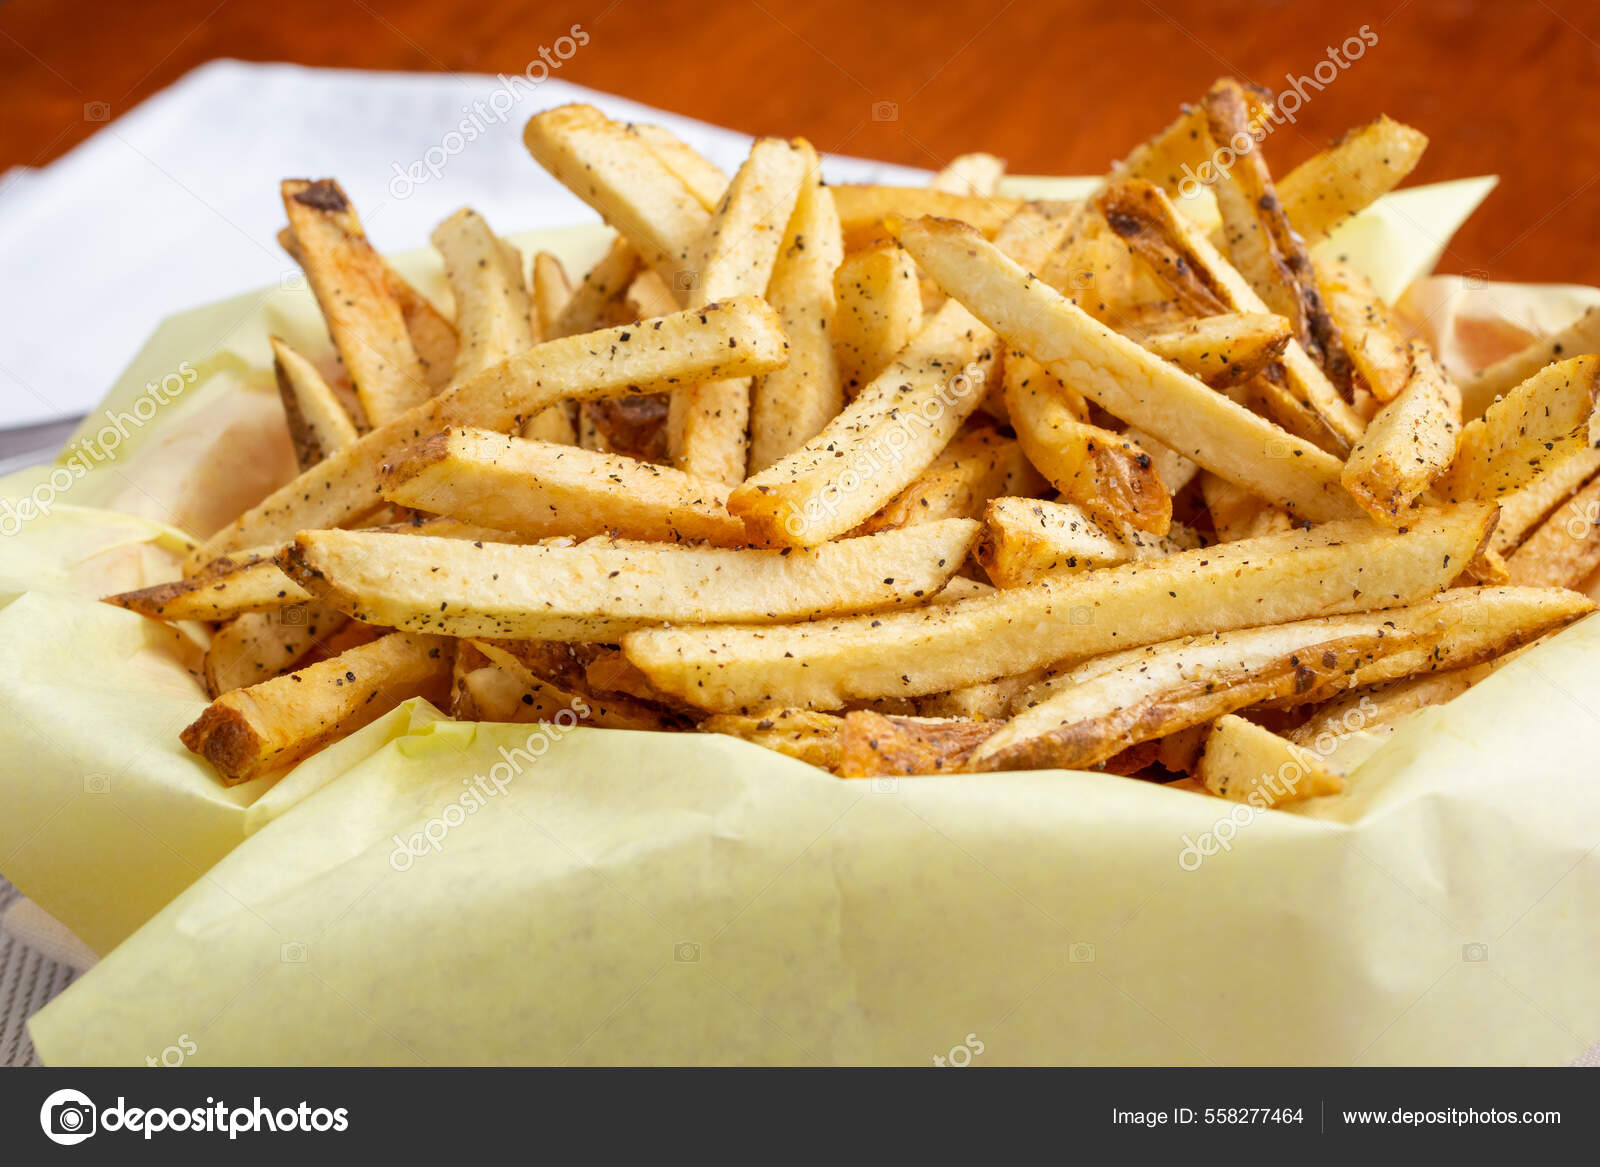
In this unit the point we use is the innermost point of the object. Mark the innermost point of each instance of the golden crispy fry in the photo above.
(987, 700)
(863, 210)
(351, 284)
(1123, 378)
(1291, 576)
(879, 444)
(1264, 247)
(623, 178)
(1025, 539)
(1104, 472)
(1378, 352)
(258, 646)
(789, 406)
(700, 175)
(970, 174)
(1528, 505)
(494, 314)
(707, 428)
(879, 311)
(1174, 470)
(1244, 762)
(1349, 175)
(1205, 284)
(252, 731)
(799, 733)
(1580, 338)
(1370, 709)
(1223, 350)
(1410, 442)
(873, 744)
(1236, 513)
(226, 587)
(540, 488)
(1176, 157)
(1089, 714)
(544, 698)
(599, 589)
(318, 424)
(551, 292)
(734, 339)
(1565, 548)
(1539, 424)
(958, 484)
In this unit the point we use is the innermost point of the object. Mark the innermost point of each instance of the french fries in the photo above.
(735, 479)
(1292, 576)
(1125, 379)
(739, 338)
(252, 731)
(597, 590)
(1086, 716)
(541, 488)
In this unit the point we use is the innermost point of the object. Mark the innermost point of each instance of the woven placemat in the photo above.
(27, 982)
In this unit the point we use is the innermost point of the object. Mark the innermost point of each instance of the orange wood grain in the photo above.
(1503, 87)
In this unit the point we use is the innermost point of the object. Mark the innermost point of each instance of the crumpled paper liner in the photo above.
(623, 897)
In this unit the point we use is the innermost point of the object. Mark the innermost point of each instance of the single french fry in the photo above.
(1245, 762)
(1528, 505)
(544, 698)
(227, 587)
(1580, 338)
(879, 444)
(551, 291)
(494, 314)
(1104, 472)
(1237, 513)
(351, 283)
(649, 297)
(1223, 350)
(541, 488)
(1205, 283)
(958, 484)
(1174, 470)
(588, 306)
(1087, 715)
(970, 174)
(1263, 246)
(432, 334)
(863, 209)
(1025, 539)
(318, 424)
(739, 338)
(703, 178)
(1175, 157)
(708, 426)
(624, 179)
(872, 744)
(1378, 352)
(879, 311)
(1291, 576)
(813, 738)
(597, 590)
(1410, 442)
(1542, 422)
(1349, 175)
(249, 732)
(789, 406)
(1565, 548)
(258, 646)
(1126, 380)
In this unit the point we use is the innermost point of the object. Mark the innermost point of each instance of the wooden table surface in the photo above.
(1501, 86)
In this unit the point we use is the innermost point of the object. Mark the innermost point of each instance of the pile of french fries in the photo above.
(900, 481)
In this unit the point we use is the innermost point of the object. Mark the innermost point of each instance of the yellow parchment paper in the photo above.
(436, 892)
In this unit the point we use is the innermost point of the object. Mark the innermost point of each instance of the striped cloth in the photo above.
(28, 981)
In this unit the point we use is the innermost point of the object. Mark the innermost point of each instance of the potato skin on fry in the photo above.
(873, 744)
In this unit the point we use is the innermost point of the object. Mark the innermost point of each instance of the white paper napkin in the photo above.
(176, 203)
